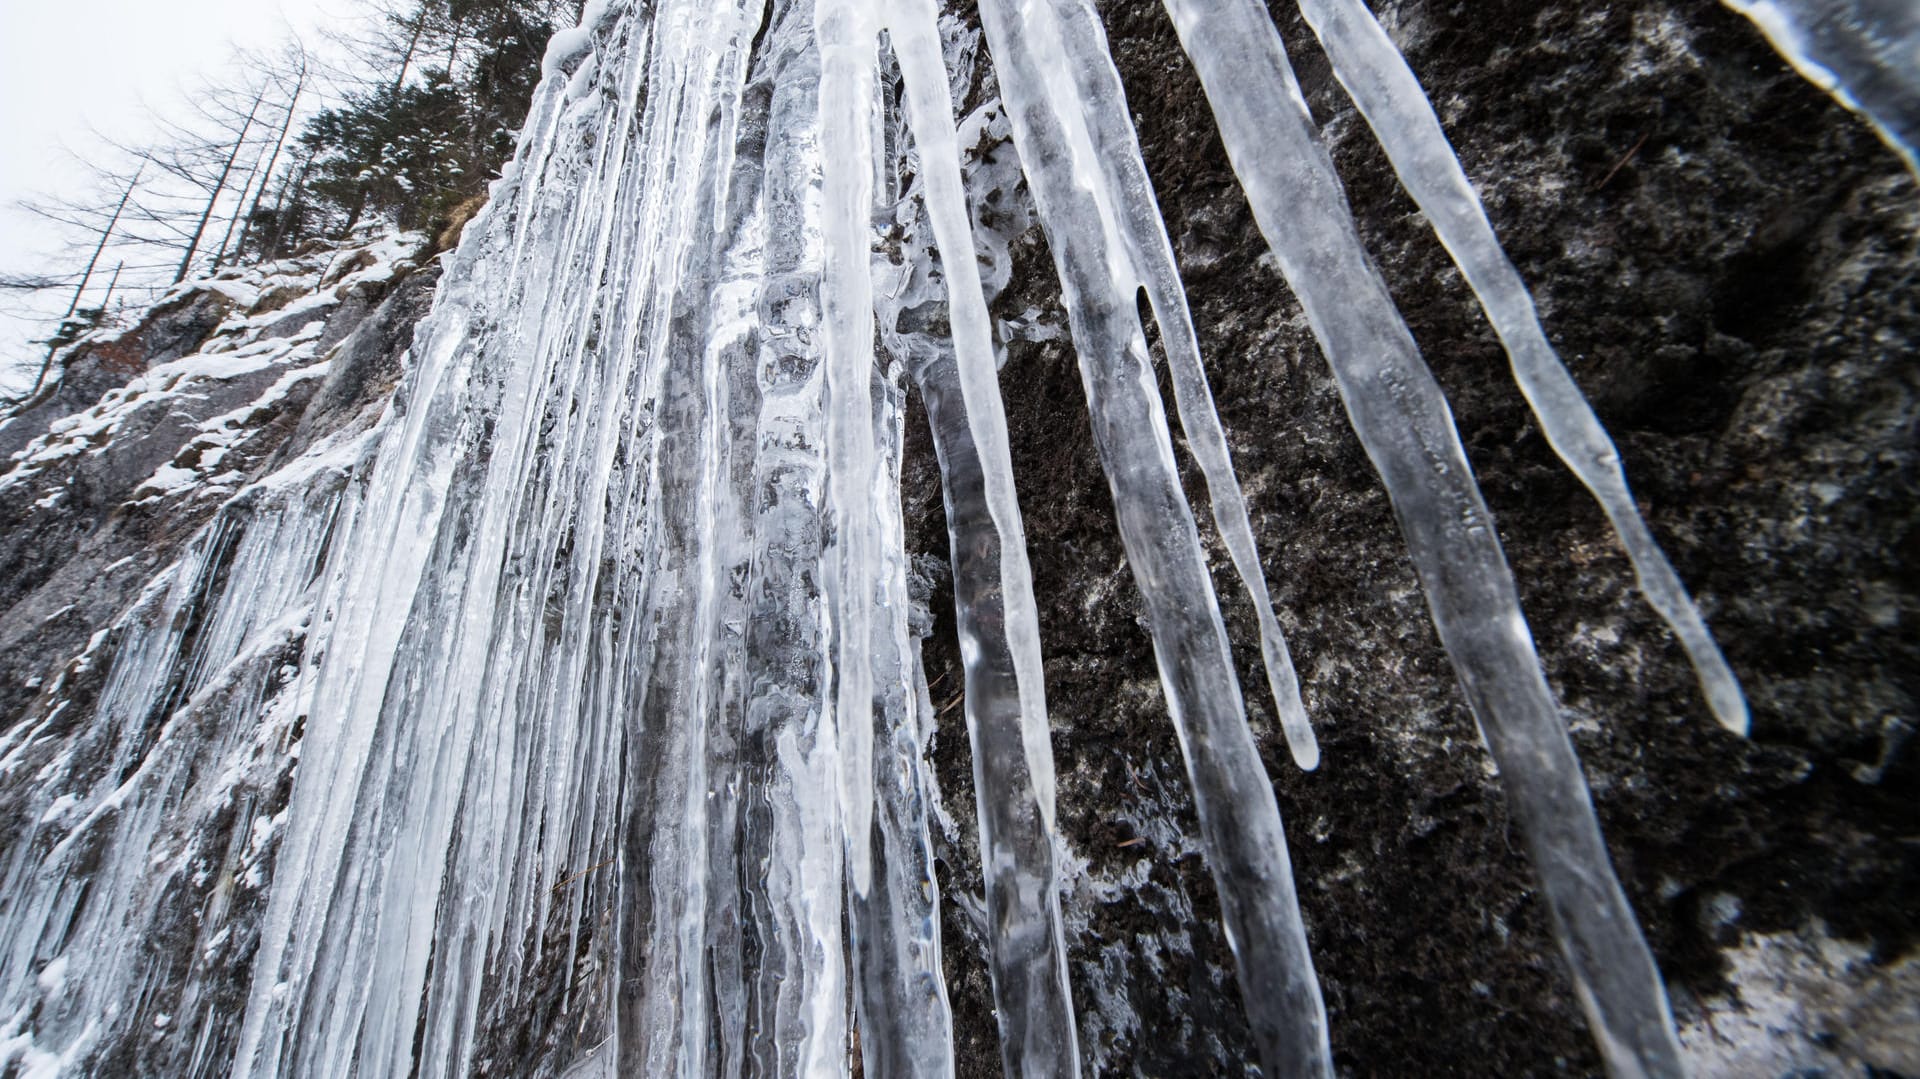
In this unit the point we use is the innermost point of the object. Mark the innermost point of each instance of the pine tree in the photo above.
(430, 139)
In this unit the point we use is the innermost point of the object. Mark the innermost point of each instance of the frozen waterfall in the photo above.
(590, 676)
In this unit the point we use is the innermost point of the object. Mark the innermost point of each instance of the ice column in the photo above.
(792, 847)
(998, 621)
(1240, 821)
(1403, 421)
(845, 31)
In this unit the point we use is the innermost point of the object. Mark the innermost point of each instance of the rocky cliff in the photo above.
(1726, 261)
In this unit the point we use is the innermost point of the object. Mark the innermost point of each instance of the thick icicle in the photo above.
(1376, 75)
(1240, 821)
(1866, 53)
(1403, 421)
(1118, 149)
(998, 620)
(905, 1027)
(846, 36)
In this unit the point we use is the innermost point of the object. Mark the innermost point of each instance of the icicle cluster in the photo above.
(610, 721)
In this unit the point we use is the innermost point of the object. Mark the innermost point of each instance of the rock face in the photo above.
(117, 465)
(1726, 261)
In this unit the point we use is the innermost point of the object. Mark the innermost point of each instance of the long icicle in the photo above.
(1389, 96)
(996, 613)
(890, 959)
(846, 34)
(1118, 149)
(1403, 421)
(905, 1022)
(1240, 821)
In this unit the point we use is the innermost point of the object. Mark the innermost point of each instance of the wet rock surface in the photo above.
(1726, 261)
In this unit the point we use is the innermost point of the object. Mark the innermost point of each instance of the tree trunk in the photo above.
(219, 187)
(107, 234)
(279, 144)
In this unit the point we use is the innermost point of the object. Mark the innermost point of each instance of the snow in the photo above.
(207, 449)
(53, 977)
(61, 807)
(1805, 1004)
(242, 346)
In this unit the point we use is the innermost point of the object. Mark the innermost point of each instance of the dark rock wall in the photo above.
(1726, 260)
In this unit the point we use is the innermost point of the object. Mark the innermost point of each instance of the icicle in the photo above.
(846, 35)
(998, 620)
(1376, 75)
(609, 725)
(902, 1004)
(1117, 148)
(906, 1027)
(1862, 52)
(1240, 821)
(509, 745)
(1403, 421)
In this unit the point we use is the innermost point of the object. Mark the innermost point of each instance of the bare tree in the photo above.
(32, 283)
(106, 234)
(86, 276)
(219, 188)
(279, 145)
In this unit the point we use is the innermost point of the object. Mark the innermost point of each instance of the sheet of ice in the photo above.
(145, 811)
(576, 664)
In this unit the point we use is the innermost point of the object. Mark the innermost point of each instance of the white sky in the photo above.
(69, 67)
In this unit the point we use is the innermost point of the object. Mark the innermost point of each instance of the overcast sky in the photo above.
(71, 66)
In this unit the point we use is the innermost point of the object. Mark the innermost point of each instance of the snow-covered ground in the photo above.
(274, 339)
